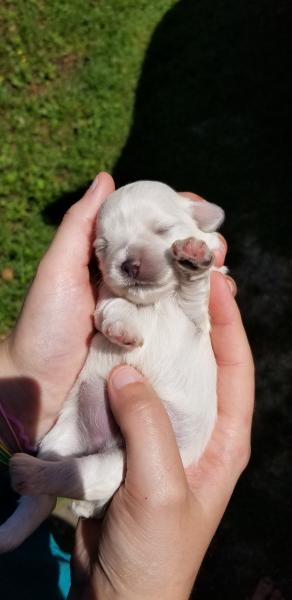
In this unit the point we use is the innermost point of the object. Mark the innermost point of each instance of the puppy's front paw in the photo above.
(122, 334)
(25, 474)
(192, 254)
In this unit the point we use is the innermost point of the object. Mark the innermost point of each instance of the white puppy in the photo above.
(155, 252)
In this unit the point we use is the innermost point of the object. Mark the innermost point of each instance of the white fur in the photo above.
(158, 323)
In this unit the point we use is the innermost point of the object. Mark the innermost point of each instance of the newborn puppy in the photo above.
(155, 251)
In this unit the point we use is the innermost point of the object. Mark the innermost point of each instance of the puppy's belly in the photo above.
(180, 365)
(96, 420)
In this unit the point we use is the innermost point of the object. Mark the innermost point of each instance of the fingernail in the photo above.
(94, 184)
(223, 243)
(124, 376)
(231, 284)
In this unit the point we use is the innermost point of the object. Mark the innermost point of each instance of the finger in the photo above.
(86, 544)
(154, 467)
(228, 335)
(232, 352)
(221, 252)
(232, 285)
(72, 244)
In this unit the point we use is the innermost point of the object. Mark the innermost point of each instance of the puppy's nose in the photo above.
(131, 267)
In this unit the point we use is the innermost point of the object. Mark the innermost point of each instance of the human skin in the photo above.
(159, 525)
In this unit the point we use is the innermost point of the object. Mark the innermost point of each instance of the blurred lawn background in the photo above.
(68, 75)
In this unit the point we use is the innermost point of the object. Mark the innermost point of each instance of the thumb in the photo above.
(71, 247)
(153, 461)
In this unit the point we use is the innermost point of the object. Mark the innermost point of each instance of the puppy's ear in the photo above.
(207, 215)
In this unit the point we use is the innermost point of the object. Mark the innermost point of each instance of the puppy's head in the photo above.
(136, 227)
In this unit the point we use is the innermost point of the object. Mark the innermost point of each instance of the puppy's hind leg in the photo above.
(29, 514)
(86, 424)
(95, 477)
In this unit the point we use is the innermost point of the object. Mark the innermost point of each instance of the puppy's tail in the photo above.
(30, 513)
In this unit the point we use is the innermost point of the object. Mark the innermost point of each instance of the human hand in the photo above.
(49, 343)
(160, 523)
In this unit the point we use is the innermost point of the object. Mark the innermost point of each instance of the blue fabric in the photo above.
(63, 560)
(38, 568)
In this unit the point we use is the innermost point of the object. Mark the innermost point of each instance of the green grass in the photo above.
(68, 75)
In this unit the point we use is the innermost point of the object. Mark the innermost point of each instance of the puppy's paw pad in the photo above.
(192, 253)
(122, 335)
(24, 471)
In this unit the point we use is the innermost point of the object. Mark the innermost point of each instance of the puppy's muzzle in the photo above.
(131, 267)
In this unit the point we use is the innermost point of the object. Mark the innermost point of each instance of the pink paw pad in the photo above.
(122, 340)
(118, 335)
(192, 253)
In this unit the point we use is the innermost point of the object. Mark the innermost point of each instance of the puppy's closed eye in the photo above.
(100, 245)
(161, 228)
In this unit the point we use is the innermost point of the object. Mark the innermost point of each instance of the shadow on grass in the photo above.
(213, 115)
(54, 212)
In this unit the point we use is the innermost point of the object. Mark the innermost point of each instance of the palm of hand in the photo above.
(50, 341)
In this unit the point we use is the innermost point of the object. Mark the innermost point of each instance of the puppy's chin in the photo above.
(141, 293)
(147, 294)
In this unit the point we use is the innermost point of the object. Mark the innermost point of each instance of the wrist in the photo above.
(7, 368)
(100, 589)
(18, 395)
